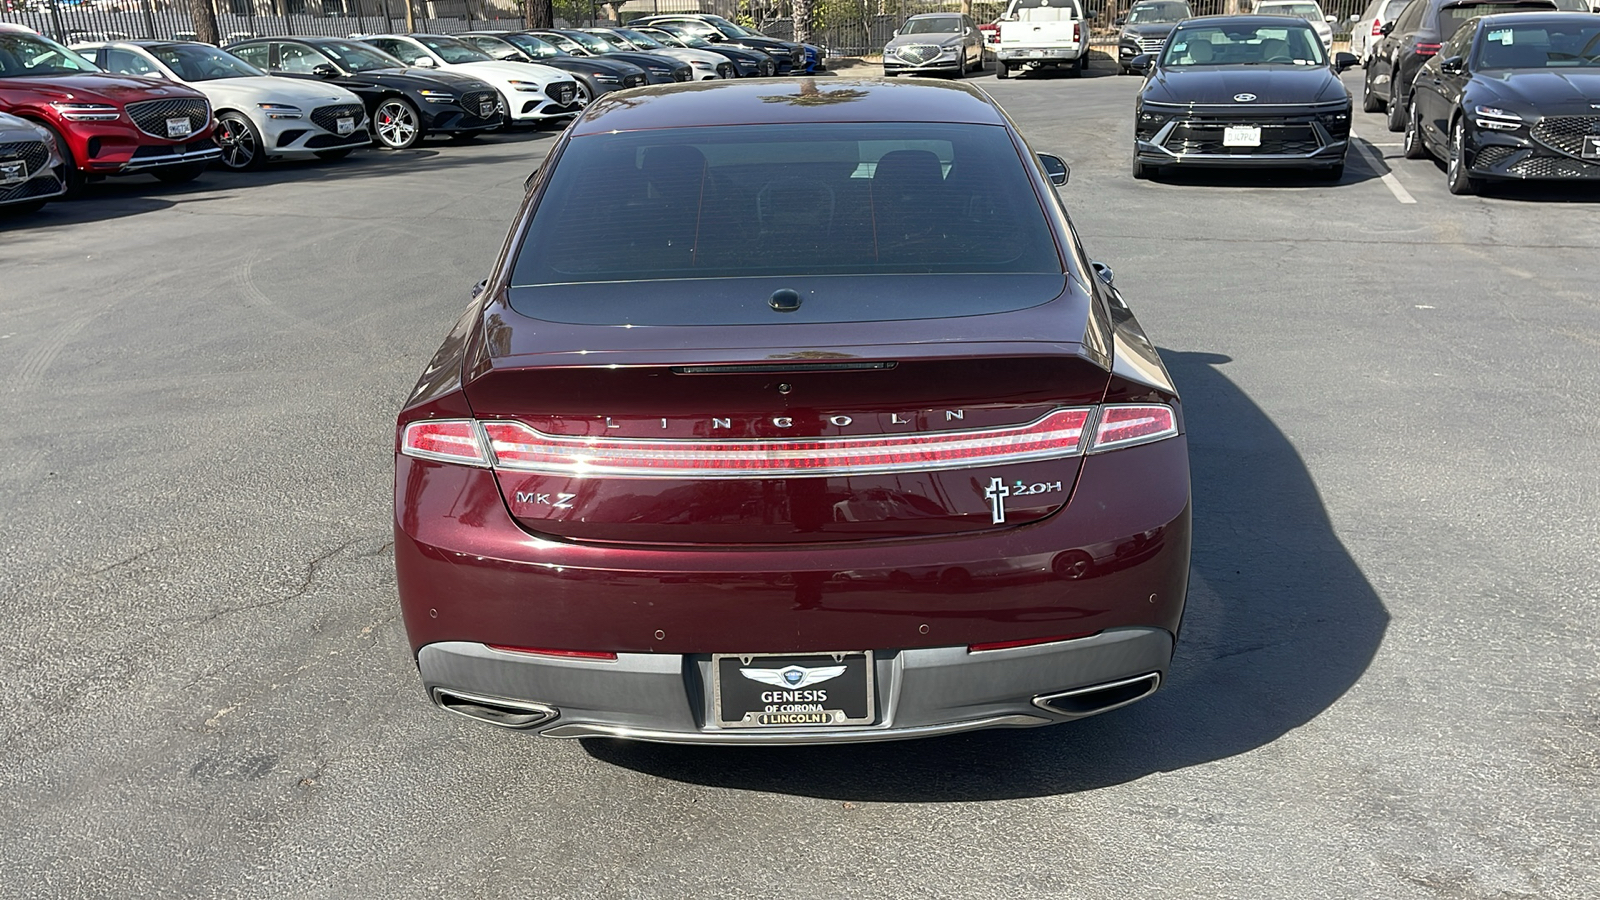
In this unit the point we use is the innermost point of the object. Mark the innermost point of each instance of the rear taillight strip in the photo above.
(513, 446)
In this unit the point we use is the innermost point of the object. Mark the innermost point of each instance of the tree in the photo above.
(802, 20)
(204, 17)
(539, 13)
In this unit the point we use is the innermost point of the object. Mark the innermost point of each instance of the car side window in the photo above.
(1410, 17)
(298, 59)
(1458, 43)
(125, 62)
(255, 55)
(407, 53)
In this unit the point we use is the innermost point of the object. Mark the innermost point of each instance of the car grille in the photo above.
(562, 92)
(1492, 155)
(1566, 133)
(34, 153)
(327, 117)
(473, 101)
(1276, 138)
(629, 81)
(41, 186)
(798, 57)
(151, 115)
(1150, 45)
(683, 74)
(918, 53)
(1554, 167)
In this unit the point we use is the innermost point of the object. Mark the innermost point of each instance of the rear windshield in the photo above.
(811, 199)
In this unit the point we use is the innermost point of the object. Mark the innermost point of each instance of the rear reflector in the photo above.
(1427, 49)
(446, 440)
(1028, 642)
(1122, 426)
(565, 654)
(520, 448)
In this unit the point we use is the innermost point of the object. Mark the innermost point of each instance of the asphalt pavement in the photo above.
(1385, 687)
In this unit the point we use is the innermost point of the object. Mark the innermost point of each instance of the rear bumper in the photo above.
(1019, 56)
(920, 692)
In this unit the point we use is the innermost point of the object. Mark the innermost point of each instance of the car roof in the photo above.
(1539, 15)
(933, 15)
(764, 102)
(1270, 21)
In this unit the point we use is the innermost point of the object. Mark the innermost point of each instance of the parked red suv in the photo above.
(105, 124)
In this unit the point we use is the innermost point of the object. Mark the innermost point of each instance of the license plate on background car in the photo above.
(346, 125)
(1241, 136)
(788, 690)
(13, 172)
(179, 127)
(1591, 146)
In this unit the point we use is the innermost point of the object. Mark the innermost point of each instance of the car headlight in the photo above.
(280, 110)
(605, 79)
(437, 96)
(529, 87)
(87, 112)
(700, 64)
(1496, 119)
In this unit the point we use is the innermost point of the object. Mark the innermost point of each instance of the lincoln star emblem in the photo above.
(793, 677)
(1243, 98)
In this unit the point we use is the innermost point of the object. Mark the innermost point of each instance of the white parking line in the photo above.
(1392, 183)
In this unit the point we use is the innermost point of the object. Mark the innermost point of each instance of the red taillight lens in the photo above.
(516, 446)
(1026, 642)
(446, 440)
(1077, 33)
(1377, 28)
(564, 654)
(1123, 426)
(1427, 49)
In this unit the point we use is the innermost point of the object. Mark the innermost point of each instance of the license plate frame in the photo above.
(766, 700)
(345, 126)
(13, 171)
(179, 127)
(1591, 147)
(1241, 136)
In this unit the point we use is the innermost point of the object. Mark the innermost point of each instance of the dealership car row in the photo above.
(170, 108)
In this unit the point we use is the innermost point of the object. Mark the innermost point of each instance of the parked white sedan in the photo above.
(531, 93)
(260, 117)
(1309, 10)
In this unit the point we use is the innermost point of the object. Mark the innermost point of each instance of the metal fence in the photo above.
(845, 27)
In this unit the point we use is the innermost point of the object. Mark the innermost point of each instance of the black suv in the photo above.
(1412, 38)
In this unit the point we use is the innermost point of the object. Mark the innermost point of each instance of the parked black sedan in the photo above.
(594, 76)
(660, 69)
(746, 63)
(1252, 91)
(1145, 29)
(1515, 95)
(403, 104)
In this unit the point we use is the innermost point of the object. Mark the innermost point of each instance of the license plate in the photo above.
(787, 690)
(13, 172)
(1241, 136)
(179, 127)
(566, 96)
(346, 125)
(1591, 146)
(486, 108)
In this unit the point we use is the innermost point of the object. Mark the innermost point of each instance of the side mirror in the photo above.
(1120, 21)
(1343, 60)
(894, 33)
(1055, 167)
(425, 62)
(1386, 28)
(478, 289)
(1355, 17)
(323, 70)
(1329, 19)
(1455, 65)
(1105, 273)
(1141, 63)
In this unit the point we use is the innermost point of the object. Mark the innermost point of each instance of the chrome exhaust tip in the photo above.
(494, 710)
(1099, 698)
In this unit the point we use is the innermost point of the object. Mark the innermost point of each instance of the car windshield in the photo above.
(686, 38)
(616, 41)
(662, 37)
(1158, 13)
(1391, 11)
(198, 62)
(591, 43)
(1308, 11)
(563, 43)
(534, 47)
(763, 200)
(1234, 45)
(729, 28)
(26, 55)
(358, 58)
(1555, 43)
(641, 40)
(933, 25)
(454, 51)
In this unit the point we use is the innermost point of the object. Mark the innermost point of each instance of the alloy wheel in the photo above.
(1455, 164)
(396, 124)
(581, 95)
(237, 139)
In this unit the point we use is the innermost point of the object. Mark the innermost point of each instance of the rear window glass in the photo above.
(761, 200)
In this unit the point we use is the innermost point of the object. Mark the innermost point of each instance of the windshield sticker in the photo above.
(1504, 37)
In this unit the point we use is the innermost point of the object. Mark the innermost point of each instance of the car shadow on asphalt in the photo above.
(1356, 170)
(1280, 623)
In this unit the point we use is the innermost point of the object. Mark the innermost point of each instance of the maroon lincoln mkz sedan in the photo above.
(792, 413)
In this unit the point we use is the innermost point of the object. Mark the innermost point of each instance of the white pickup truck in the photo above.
(1039, 33)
